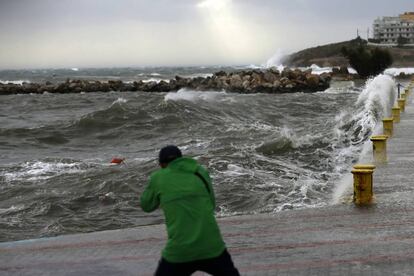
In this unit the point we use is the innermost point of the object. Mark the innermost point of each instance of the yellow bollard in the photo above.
(388, 126)
(363, 180)
(401, 104)
(404, 96)
(365, 166)
(396, 114)
(379, 148)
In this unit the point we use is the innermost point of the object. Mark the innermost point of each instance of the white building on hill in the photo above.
(390, 30)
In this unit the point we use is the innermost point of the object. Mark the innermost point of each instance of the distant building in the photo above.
(388, 29)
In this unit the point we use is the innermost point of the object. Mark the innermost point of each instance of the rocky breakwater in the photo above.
(247, 81)
(265, 81)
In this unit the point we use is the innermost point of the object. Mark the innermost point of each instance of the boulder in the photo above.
(149, 86)
(104, 87)
(246, 85)
(127, 87)
(307, 71)
(247, 78)
(325, 77)
(343, 70)
(236, 81)
(269, 77)
(257, 76)
(290, 86)
(115, 85)
(274, 71)
(297, 75)
(220, 74)
(73, 85)
(180, 81)
(164, 86)
(173, 85)
(63, 88)
(286, 73)
(312, 80)
(277, 84)
(264, 88)
(402, 75)
(284, 81)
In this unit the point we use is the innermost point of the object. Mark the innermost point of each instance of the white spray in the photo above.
(374, 103)
(276, 61)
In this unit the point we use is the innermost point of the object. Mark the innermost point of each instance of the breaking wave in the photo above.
(43, 169)
(19, 82)
(266, 153)
(191, 95)
(396, 71)
(354, 128)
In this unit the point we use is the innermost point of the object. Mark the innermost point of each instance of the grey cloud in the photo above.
(153, 30)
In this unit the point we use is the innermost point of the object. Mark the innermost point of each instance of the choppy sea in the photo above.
(266, 153)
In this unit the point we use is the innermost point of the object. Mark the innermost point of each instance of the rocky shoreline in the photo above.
(247, 81)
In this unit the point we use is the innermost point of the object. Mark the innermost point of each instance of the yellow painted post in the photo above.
(388, 126)
(363, 181)
(404, 96)
(396, 114)
(401, 104)
(365, 166)
(379, 148)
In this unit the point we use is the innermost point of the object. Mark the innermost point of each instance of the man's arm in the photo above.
(150, 199)
(206, 176)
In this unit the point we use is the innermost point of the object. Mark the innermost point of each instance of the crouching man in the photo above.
(182, 189)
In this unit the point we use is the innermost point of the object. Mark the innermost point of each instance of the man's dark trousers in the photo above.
(219, 266)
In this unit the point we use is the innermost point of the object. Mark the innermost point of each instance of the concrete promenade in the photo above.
(335, 240)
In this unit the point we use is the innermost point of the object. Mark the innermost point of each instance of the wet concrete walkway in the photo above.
(334, 240)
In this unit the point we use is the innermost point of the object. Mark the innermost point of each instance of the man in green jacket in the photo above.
(182, 189)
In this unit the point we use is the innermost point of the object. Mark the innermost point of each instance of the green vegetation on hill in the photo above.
(368, 61)
(331, 55)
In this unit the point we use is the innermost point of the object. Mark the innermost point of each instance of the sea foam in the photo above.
(193, 96)
(42, 170)
(18, 82)
(374, 103)
(396, 71)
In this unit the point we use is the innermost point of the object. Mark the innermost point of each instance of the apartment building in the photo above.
(388, 29)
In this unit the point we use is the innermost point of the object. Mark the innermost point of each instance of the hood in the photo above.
(184, 164)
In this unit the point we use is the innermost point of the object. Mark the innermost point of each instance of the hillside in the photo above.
(330, 55)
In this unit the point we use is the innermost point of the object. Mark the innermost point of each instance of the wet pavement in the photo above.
(341, 239)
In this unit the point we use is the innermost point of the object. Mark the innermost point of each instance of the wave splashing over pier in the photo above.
(266, 153)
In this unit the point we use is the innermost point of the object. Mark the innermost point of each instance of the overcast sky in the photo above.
(99, 33)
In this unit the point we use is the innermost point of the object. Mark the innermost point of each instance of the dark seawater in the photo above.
(103, 74)
(266, 153)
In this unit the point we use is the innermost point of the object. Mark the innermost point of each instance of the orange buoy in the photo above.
(117, 161)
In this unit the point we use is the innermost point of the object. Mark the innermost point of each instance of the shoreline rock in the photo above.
(246, 82)
(404, 76)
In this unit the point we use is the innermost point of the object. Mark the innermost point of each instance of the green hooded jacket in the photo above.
(193, 233)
